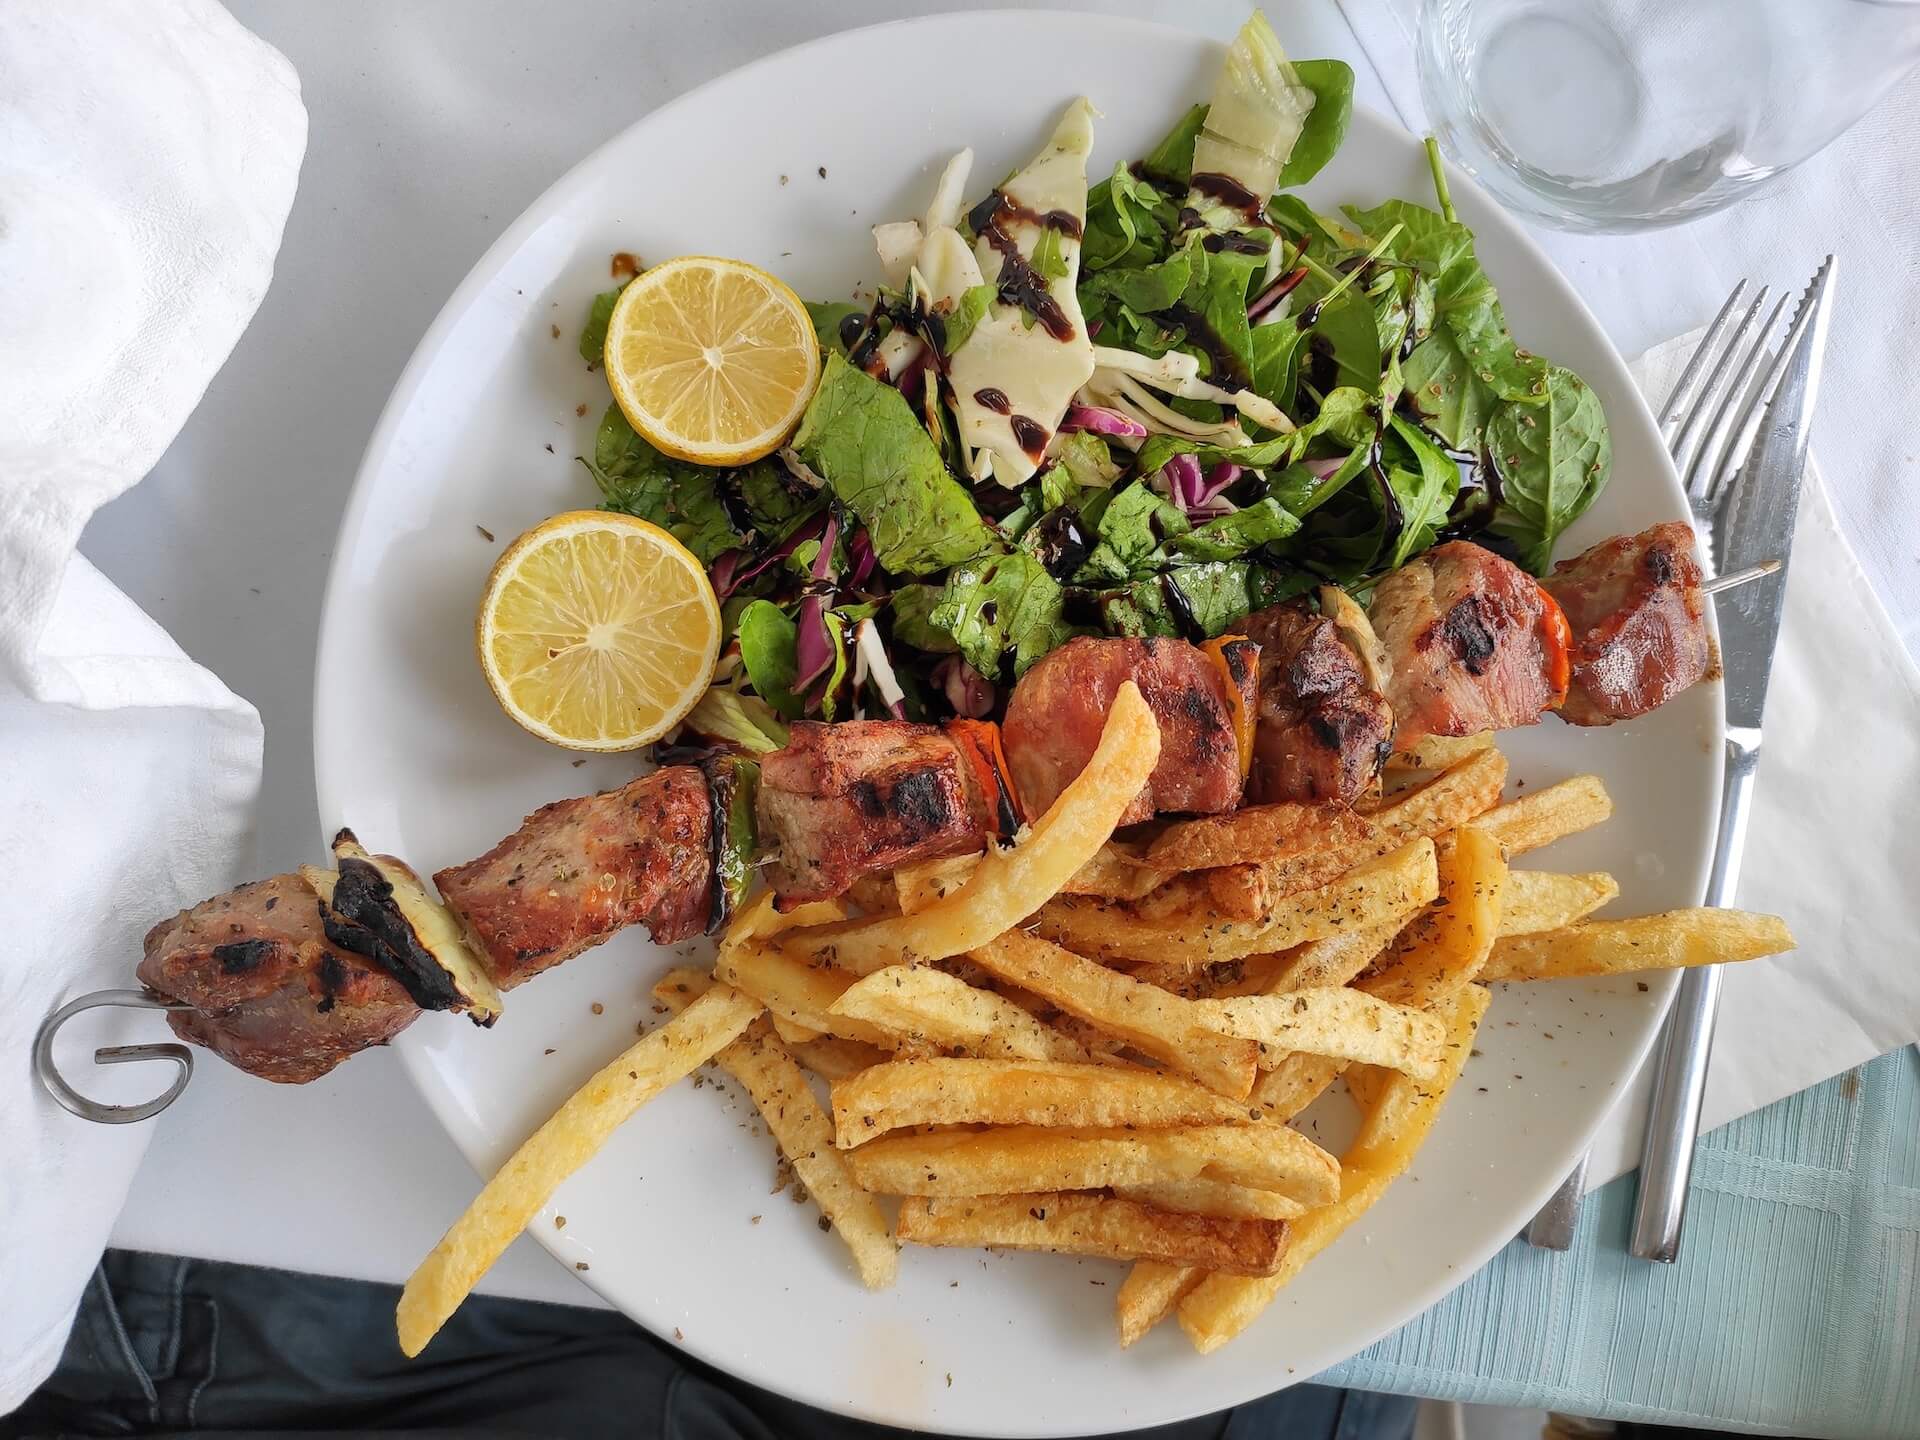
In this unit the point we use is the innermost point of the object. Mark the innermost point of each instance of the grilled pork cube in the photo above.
(1058, 708)
(849, 799)
(1323, 731)
(1474, 642)
(1639, 623)
(271, 993)
(577, 871)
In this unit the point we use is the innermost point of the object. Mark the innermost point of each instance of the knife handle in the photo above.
(1680, 1077)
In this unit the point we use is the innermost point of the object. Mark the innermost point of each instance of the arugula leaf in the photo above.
(1008, 603)
(1302, 491)
(1426, 494)
(912, 610)
(863, 439)
(1553, 460)
(1047, 258)
(827, 316)
(1346, 414)
(683, 499)
(593, 335)
(1215, 595)
(1159, 449)
(968, 312)
(1144, 288)
(1260, 523)
(1131, 528)
(1129, 222)
(767, 640)
(1331, 82)
(1217, 292)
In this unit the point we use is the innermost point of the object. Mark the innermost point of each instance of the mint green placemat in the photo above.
(1794, 1306)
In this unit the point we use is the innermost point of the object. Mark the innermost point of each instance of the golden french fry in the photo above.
(1000, 1161)
(1238, 892)
(1110, 1228)
(832, 1058)
(918, 885)
(1439, 752)
(796, 991)
(945, 1091)
(1364, 895)
(1115, 872)
(1536, 900)
(1294, 1084)
(1009, 885)
(1213, 1197)
(757, 919)
(1149, 1293)
(1249, 975)
(1548, 815)
(1336, 959)
(874, 894)
(571, 1136)
(922, 1002)
(1221, 1306)
(1149, 1019)
(792, 1034)
(1446, 803)
(1447, 945)
(1257, 834)
(1671, 941)
(1336, 1022)
(767, 1072)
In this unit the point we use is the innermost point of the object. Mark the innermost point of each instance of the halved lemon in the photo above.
(711, 360)
(598, 631)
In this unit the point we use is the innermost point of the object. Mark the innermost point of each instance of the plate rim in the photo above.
(494, 258)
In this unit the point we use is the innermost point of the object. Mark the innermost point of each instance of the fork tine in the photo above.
(1681, 396)
(1739, 355)
(1755, 410)
(1712, 460)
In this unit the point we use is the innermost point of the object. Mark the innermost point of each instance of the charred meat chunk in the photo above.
(848, 799)
(271, 993)
(1474, 642)
(1059, 707)
(1323, 731)
(577, 871)
(1638, 620)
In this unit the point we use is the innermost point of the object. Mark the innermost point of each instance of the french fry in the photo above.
(1004, 1160)
(874, 894)
(1009, 885)
(920, 1001)
(791, 1033)
(1249, 975)
(1115, 872)
(1293, 1084)
(1447, 945)
(1148, 1295)
(1439, 752)
(918, 885)
(1548, 815)
(1221, 1306)
(1257, 834)
(1536, 900)
(767, 1071)
(1019, 1092)
(759, 920)
(1239, 892)
(1336, 959)
(1444, 804)
(1671, 941)
(571, 1136)
(1213, 1197)
(797, 992)
(1336, 1022)
(1363, 896)
(1149, 1019)
(832, 1058)
(1098, 1225)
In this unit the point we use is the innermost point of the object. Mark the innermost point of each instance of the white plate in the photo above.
(413, 753)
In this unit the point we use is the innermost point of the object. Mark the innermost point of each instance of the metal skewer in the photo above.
(1740, 577)
(56, 1083)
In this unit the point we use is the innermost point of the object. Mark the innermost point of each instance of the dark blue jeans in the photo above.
(167, 1346)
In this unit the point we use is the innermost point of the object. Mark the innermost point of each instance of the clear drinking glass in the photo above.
(1632, 114)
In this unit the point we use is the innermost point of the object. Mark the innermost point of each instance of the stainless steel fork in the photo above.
(1710, 422)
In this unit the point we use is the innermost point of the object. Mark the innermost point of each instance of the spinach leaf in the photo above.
(968, 312)
(1442, 387)
(636, 479)
(1260, 523)
(1082, 458)
(912, 610)
(1348, 330)
(1302, 491)
(827, 316)
(1006, 604)
(863, 439)
(593, 335)
(1143, 288)
(1130, 531)
(1425, 493)
(1276, 361)
(773, 498)
(1214, 595)
(767, 639)
(1129, 223)
(1172, 159)
(1553, 459)
(1331, 82)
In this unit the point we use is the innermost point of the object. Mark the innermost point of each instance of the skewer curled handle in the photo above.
(56, 1084)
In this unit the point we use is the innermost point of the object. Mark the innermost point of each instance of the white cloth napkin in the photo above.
(148, 155)
(1830, 844)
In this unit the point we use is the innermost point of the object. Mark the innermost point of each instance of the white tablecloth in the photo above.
(432, 125)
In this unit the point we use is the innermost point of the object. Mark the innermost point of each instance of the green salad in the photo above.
(1143, 406)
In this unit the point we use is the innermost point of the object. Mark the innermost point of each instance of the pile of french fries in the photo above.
(1093, 1046)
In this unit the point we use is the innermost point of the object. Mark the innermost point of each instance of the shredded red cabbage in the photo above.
(860, 551)
(1102, 421)
(970, 694)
